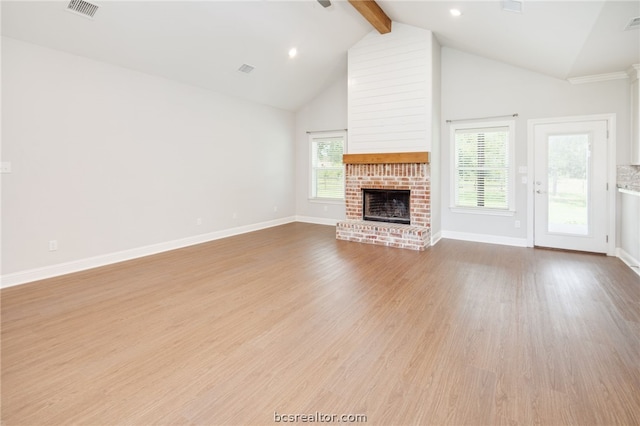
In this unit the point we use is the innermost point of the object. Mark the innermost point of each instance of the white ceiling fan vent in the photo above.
(82, 8)
(246, 68)
(633, 24)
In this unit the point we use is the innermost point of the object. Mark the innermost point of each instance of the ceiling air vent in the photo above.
(633, 24)
(245, 68)
(82, 8)
(512, 6)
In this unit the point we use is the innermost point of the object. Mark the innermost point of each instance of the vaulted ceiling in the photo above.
(203, 43)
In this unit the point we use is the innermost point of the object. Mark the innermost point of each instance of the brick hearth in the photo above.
(414, 177)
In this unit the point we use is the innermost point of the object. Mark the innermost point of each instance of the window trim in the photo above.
(324, 135)
(511, 174)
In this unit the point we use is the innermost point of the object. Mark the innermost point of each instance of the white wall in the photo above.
(473, 86)
(107, 160)
(328, 111)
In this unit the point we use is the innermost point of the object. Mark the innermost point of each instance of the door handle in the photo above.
(540, 191)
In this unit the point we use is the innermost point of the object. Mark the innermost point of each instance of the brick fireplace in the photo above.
(394, 171)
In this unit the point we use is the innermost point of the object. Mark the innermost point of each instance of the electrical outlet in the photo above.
(199, 221)
(53, 245)
(5, 167)
(275, 209)
(517, 224)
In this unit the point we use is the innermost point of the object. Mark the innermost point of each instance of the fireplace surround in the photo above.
(394, 171)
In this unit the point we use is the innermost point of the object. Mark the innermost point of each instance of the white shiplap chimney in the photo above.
(390, 91)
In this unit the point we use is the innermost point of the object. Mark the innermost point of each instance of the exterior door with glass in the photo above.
(570, 185)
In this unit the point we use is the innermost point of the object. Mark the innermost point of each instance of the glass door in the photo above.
(570, 186)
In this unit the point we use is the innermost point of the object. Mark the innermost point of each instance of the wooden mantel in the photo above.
(386, 158)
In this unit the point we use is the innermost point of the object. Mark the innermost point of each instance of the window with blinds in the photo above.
(327, 169)
(483, 177)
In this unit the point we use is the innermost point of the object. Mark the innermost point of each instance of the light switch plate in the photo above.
(5, 167)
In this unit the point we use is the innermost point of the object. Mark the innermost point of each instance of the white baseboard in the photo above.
(317, 220)
(484, 238)
(24, 277)
(436, 237)
(629, 260)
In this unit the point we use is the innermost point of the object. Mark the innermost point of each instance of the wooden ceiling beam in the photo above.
(374, 14)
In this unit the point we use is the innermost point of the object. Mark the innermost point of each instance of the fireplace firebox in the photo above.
(382, 205)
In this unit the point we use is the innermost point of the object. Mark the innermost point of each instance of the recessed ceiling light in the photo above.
(455, 12)
(293, 52)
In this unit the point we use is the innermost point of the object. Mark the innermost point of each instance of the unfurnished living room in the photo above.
(320, 211)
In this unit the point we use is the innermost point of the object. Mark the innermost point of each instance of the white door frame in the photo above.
(611, 171)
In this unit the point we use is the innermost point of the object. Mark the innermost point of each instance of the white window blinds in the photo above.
(482, 167)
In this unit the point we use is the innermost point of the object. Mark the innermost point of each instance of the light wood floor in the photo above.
(289, 320)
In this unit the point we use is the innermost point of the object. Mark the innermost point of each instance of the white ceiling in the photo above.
(205, 42)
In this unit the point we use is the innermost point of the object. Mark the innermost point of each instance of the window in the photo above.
(483, 175)
(327, 170)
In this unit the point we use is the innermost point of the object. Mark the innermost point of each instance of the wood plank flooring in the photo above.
(289, 320)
